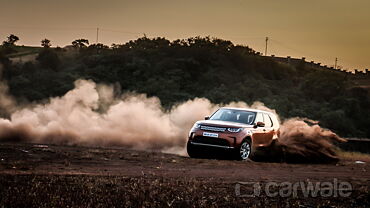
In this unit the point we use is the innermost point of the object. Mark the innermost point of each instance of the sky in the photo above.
(320, 30)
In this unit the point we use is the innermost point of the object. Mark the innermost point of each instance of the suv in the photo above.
(235, 130)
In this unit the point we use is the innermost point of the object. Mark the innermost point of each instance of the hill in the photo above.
(199, 67)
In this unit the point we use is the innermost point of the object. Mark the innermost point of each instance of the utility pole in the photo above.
(97, 35)
(336, 61)
(267, 38)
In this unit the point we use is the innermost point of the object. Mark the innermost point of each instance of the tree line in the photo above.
(183, 69)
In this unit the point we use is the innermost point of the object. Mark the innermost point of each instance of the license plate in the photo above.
(207, 134)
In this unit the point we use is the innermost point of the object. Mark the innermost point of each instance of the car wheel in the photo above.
(192, 151)
(244, 151)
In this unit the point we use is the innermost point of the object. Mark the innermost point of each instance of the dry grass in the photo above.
(117, 191)
(346, 155)
(72, 176)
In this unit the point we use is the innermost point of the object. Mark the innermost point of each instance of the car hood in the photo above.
(224, 124)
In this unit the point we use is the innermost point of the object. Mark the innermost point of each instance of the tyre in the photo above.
(192, 150)
(244, 150)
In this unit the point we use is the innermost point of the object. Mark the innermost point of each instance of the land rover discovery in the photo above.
(236, 131)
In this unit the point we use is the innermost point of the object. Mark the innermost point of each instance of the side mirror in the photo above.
(259, 124)
(206, 118)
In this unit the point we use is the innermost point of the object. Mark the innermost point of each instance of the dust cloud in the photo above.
(91, 115)
(7, 103)
(300, 142)
(94, 115)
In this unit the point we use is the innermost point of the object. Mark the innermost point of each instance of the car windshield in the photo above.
(232, 115)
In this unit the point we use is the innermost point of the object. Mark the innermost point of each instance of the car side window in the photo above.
(275, 121)
(268, 122)
(259, 118)
(272, 121)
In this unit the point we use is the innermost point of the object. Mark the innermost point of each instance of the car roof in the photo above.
(247, 109)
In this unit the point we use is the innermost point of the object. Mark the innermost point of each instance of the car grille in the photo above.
(208, 140)
(212, 128)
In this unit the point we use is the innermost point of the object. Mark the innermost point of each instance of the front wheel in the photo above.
(244, 151)
(192, 151)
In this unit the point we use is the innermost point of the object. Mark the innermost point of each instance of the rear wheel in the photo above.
(244, 150)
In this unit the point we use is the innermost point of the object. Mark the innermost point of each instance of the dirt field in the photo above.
(59, 176)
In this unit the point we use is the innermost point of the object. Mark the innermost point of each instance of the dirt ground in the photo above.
(34, 175)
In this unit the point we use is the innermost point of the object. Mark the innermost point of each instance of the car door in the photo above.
(258, 133)
(269, 130)
(262, 136)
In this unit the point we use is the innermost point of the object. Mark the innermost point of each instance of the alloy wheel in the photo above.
(245, 150)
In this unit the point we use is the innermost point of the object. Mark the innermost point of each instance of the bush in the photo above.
(48, 59)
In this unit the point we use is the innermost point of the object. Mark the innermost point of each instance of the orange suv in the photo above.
(235, 130)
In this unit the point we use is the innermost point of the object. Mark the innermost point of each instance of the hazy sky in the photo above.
(319, 30)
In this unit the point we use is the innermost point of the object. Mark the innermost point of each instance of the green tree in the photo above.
(8, 44)
(11, 40)
(48, 59)
(80, 43)
(97, 48)
(45, 43)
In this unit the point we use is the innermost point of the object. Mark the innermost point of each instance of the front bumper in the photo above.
(211, 145)
(224, 140)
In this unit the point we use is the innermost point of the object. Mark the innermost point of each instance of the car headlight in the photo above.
(234, 130)
(196, 126)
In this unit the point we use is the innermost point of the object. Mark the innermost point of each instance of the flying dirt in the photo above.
(298, 142)
(94, 115)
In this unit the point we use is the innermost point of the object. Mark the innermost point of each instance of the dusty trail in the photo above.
(139, 177)
(54, 159)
